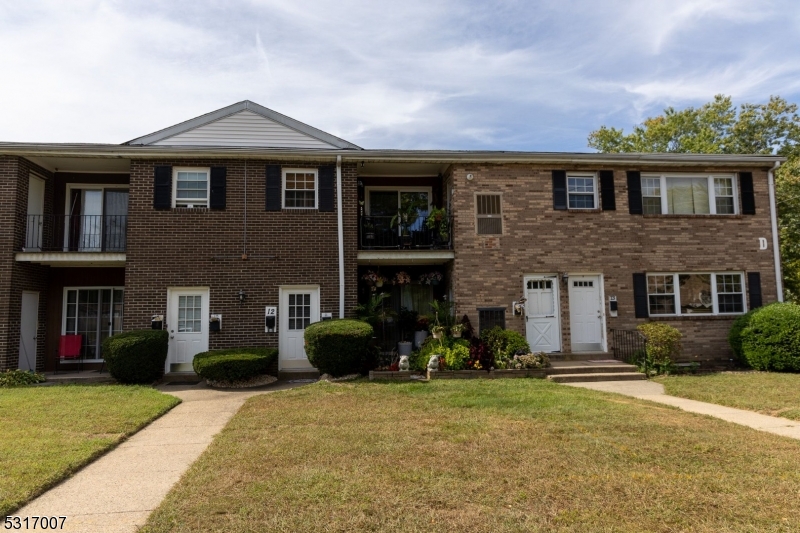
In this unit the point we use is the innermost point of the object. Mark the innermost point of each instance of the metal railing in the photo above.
(76, 233)
(630, 346)
(379, 232)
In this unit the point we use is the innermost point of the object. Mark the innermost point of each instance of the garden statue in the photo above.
(433, 364)
(403, 364)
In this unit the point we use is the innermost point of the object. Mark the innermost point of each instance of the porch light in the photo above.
(242, 296)
(564, 276)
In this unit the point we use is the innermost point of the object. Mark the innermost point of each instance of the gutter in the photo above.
(773, 212)
(341, 233)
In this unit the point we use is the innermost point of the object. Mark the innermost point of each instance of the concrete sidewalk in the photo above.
(118, 492)
(654, 392)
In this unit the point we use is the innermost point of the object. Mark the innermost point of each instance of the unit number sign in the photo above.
(271, 311)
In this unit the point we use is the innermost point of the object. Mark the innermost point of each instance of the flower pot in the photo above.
(456, 332)
(379, 283)
(419, 338)
(404, 348)
(437, 335)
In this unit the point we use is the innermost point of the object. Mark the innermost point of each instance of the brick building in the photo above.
(213, 224)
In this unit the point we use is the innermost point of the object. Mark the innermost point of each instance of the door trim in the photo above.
(287, 288)
(177, 290)
(602, 297)
(557, 304)
(36, 330)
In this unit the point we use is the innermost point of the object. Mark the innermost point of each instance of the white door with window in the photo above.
(187, 323)
(33, 234)
(585, 313)
(299, 307)
(542, 314)
(29, 324)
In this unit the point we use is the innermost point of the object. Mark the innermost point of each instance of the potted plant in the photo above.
(405, 218)
(421, 333)
(369, 230)
(431, 278)
(456, 330)
(437, 331)
(439, 223)
(402, 278)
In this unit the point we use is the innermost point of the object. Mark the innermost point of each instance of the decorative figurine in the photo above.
(433, 363)
(403, 365)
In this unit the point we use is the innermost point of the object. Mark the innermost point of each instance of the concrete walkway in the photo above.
(654, 392)
(118, 492)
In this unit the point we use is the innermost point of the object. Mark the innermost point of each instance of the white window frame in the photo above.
(195, 205)
(593, 176)
(64, 315)
(304, 171)
(712, 207)
(714, 297)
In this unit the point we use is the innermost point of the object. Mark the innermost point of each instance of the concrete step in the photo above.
(591, 369)
(580, 356)
(575, 378)
(287, 375)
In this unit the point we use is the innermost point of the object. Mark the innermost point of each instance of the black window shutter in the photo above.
(325, 179)
(640, 295)
(607, 190)
(273, 188)
(216, 198)
(748, 197)
(635, 192)
(754, 286)
(559, 189)
(162, 188)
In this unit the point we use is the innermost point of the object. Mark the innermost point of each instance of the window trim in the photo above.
(285, 171)
(64, 314)
(714, 295)
(712, 204)
(175, 171)
(500, 216)
(405, 188)
(595, 186)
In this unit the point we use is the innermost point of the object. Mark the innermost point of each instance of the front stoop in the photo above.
(597, 376)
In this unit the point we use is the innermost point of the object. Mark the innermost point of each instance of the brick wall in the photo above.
(203, 248)
(488, 271)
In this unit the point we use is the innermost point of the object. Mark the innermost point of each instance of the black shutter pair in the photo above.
(606, 190)
(274, 186)
(162, 188)
(745, 188)
(640, 302)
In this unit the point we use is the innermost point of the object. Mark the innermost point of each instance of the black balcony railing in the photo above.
(379, 233)
(76, 233)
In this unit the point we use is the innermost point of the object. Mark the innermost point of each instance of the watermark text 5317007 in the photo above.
(34, 522)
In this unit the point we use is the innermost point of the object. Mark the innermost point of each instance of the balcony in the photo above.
(382, 241)
(75, 240)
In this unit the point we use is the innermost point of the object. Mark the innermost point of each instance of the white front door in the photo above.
(541, 314)
(299, 307)
(29, 324)
(187, 321)
(585, 313)
(33, 233)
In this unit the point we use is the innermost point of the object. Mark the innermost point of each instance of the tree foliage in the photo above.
(718, 127)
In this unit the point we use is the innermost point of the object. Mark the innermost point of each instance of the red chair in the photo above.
(69, 348)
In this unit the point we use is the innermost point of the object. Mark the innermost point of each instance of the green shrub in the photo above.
(504, 343)
(419, 359)
(17, 378)
(136, 356)
(663, 345)
(456, 357)
(338, 347)
(735, 336)
(771, 341)
(236, 364)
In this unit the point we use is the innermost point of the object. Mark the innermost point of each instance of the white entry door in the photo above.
(29, 324)
(187, 321)
(541, 314)
(585, 313)
(33, 233)
(299, 307)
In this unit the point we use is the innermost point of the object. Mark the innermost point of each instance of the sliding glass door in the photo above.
(94, 313)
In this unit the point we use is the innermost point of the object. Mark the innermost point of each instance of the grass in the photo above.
(47, 433)
(482, 455)
(770, 393)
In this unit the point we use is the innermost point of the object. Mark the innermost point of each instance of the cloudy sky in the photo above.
(456, 74)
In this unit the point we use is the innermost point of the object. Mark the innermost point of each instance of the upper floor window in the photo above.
(582, 191)
(190, 187)
(299, 188)
(489, 217)
(704, 293)
(689, 195)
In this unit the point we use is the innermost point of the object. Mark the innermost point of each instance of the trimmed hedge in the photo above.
(338, 347)
(236, 364)
(735, 336)
(136, 356)
(504, 343)
(771, 341)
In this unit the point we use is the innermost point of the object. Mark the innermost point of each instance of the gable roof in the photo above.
(244, 124)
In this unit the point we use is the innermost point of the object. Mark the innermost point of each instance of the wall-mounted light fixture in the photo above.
(564, 277)
(242, 296)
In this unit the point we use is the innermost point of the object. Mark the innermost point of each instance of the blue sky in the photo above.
(535, 75)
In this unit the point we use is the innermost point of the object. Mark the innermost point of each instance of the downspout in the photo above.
(341, 233)
(773, 212)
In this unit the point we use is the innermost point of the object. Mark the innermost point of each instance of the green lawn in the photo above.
(770, 393)
(47, 433)
(482, 455)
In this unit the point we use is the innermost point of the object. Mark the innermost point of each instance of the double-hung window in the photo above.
(582, 191)
(190, 187)
(299, 188)
(689, 195)
(695, 294)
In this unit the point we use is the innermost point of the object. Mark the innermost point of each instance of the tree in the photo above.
(719, 128)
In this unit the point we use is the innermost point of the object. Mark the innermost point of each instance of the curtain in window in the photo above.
(687, 196)
(417, 298)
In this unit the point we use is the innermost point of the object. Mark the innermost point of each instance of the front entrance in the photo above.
(586, 313)
(541, 314)
(299, 307)
(187, 322)
(29, 323)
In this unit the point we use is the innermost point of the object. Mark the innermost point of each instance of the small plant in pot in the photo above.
(421, 332)
(405, 218)
(439, 224)
(456, 330)
(437, 331)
